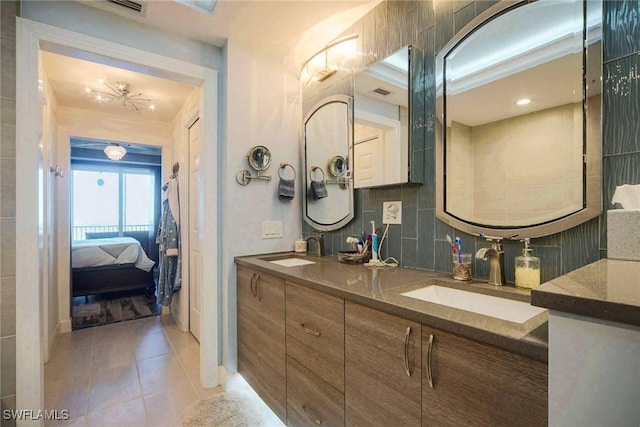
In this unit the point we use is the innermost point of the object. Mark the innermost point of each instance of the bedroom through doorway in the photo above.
(115, 213)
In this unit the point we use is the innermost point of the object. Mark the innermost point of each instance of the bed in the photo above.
(110, 265)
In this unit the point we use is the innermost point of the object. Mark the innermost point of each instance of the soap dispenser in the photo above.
(300, 245)
(527, 268)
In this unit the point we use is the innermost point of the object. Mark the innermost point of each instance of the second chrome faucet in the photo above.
(319, 241)
(495, 256)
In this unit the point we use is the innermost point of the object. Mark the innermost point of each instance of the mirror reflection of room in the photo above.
(529, 138)
(381, 122)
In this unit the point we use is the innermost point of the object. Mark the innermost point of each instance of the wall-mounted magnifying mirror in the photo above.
(337, 166)
(259, 157)
(381, 122)
(519, 132)
(328, 129)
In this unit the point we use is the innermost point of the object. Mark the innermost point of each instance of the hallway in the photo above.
(138, 373)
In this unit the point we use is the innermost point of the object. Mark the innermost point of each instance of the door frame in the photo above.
(31, 37)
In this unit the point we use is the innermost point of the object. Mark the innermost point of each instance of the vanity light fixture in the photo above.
(325, 63)
(115, 152)
(523, 101)
(120, 93)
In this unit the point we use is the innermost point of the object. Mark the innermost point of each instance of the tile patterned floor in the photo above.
(138, 373)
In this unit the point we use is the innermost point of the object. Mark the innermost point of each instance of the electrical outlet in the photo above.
(392, 212)
(271, 229)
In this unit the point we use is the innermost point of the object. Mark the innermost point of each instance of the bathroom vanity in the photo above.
(594, 344)
(326, 343)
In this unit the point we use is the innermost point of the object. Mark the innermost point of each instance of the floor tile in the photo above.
(128, 414)
(151, 345)
(111, 354)
(145, 326)
(66, 365)
(161, 372)
(75, 340)
(114, 386)
(112, 332)
(71, 422)
(164, 408)
(71, 395)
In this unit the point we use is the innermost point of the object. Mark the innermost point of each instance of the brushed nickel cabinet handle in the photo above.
(309, 331)
(407, 369)
(310, 417)
(253, 276)
(429, 351)
(257, 288)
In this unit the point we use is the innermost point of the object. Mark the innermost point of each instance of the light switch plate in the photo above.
(392, 212)
(271, 229)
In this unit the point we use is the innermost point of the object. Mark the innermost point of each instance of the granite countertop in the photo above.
(381, 288)
(606, 289)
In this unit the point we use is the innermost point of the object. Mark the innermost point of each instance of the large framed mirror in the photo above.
(328, 132)
(381, 122)
(519, 120)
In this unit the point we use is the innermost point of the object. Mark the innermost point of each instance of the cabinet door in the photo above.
(261, 336)
(382, 368)
(480, 385)
(315, 332)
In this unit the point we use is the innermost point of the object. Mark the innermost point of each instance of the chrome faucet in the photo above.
(319, 240)
(495, 255)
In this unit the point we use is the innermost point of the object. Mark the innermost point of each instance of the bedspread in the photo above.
(110, 251)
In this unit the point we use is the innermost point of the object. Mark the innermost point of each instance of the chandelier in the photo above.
(115, 152)
(120, 93)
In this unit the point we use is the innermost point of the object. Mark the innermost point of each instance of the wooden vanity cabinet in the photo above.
(383, 368)
(261, 336)
(315, 361)
(480, 385)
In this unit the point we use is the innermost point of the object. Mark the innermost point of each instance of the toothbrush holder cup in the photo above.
(462, 266)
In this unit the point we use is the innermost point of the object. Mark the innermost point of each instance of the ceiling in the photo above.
(291, 29)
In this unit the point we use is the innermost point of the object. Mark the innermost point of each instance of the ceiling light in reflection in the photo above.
(523, 101)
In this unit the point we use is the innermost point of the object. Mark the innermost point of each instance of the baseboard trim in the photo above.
(222, 376)
(65, 326)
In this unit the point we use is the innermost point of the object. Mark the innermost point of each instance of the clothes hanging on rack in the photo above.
(170, 277)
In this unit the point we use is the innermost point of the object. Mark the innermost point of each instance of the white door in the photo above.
(366, 163)
(195, 257)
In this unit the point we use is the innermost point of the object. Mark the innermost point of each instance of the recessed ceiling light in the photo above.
(523, 101)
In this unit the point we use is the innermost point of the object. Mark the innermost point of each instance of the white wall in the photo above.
(262, 104)
(74, 16)
(74, 122)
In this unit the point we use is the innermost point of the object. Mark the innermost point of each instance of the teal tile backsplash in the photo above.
(422, 241)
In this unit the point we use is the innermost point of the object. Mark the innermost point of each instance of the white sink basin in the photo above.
(501, 308)
(292, 262)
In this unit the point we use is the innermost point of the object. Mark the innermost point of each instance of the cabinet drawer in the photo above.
(310, 400)
(315, 332)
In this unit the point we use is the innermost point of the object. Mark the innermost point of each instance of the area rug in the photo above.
(228, 409)
(102, 310)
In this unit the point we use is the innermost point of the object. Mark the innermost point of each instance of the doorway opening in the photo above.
(114, 217)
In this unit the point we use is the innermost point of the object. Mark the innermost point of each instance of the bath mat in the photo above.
(228, 409)
(103, 310)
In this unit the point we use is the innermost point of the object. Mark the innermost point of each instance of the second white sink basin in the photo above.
(501, 308)
(292, 262)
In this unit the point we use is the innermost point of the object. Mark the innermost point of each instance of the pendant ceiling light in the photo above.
(120, 93)
(115, 152)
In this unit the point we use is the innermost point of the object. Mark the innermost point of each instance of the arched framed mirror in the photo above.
(328, 134)
(519, 120)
